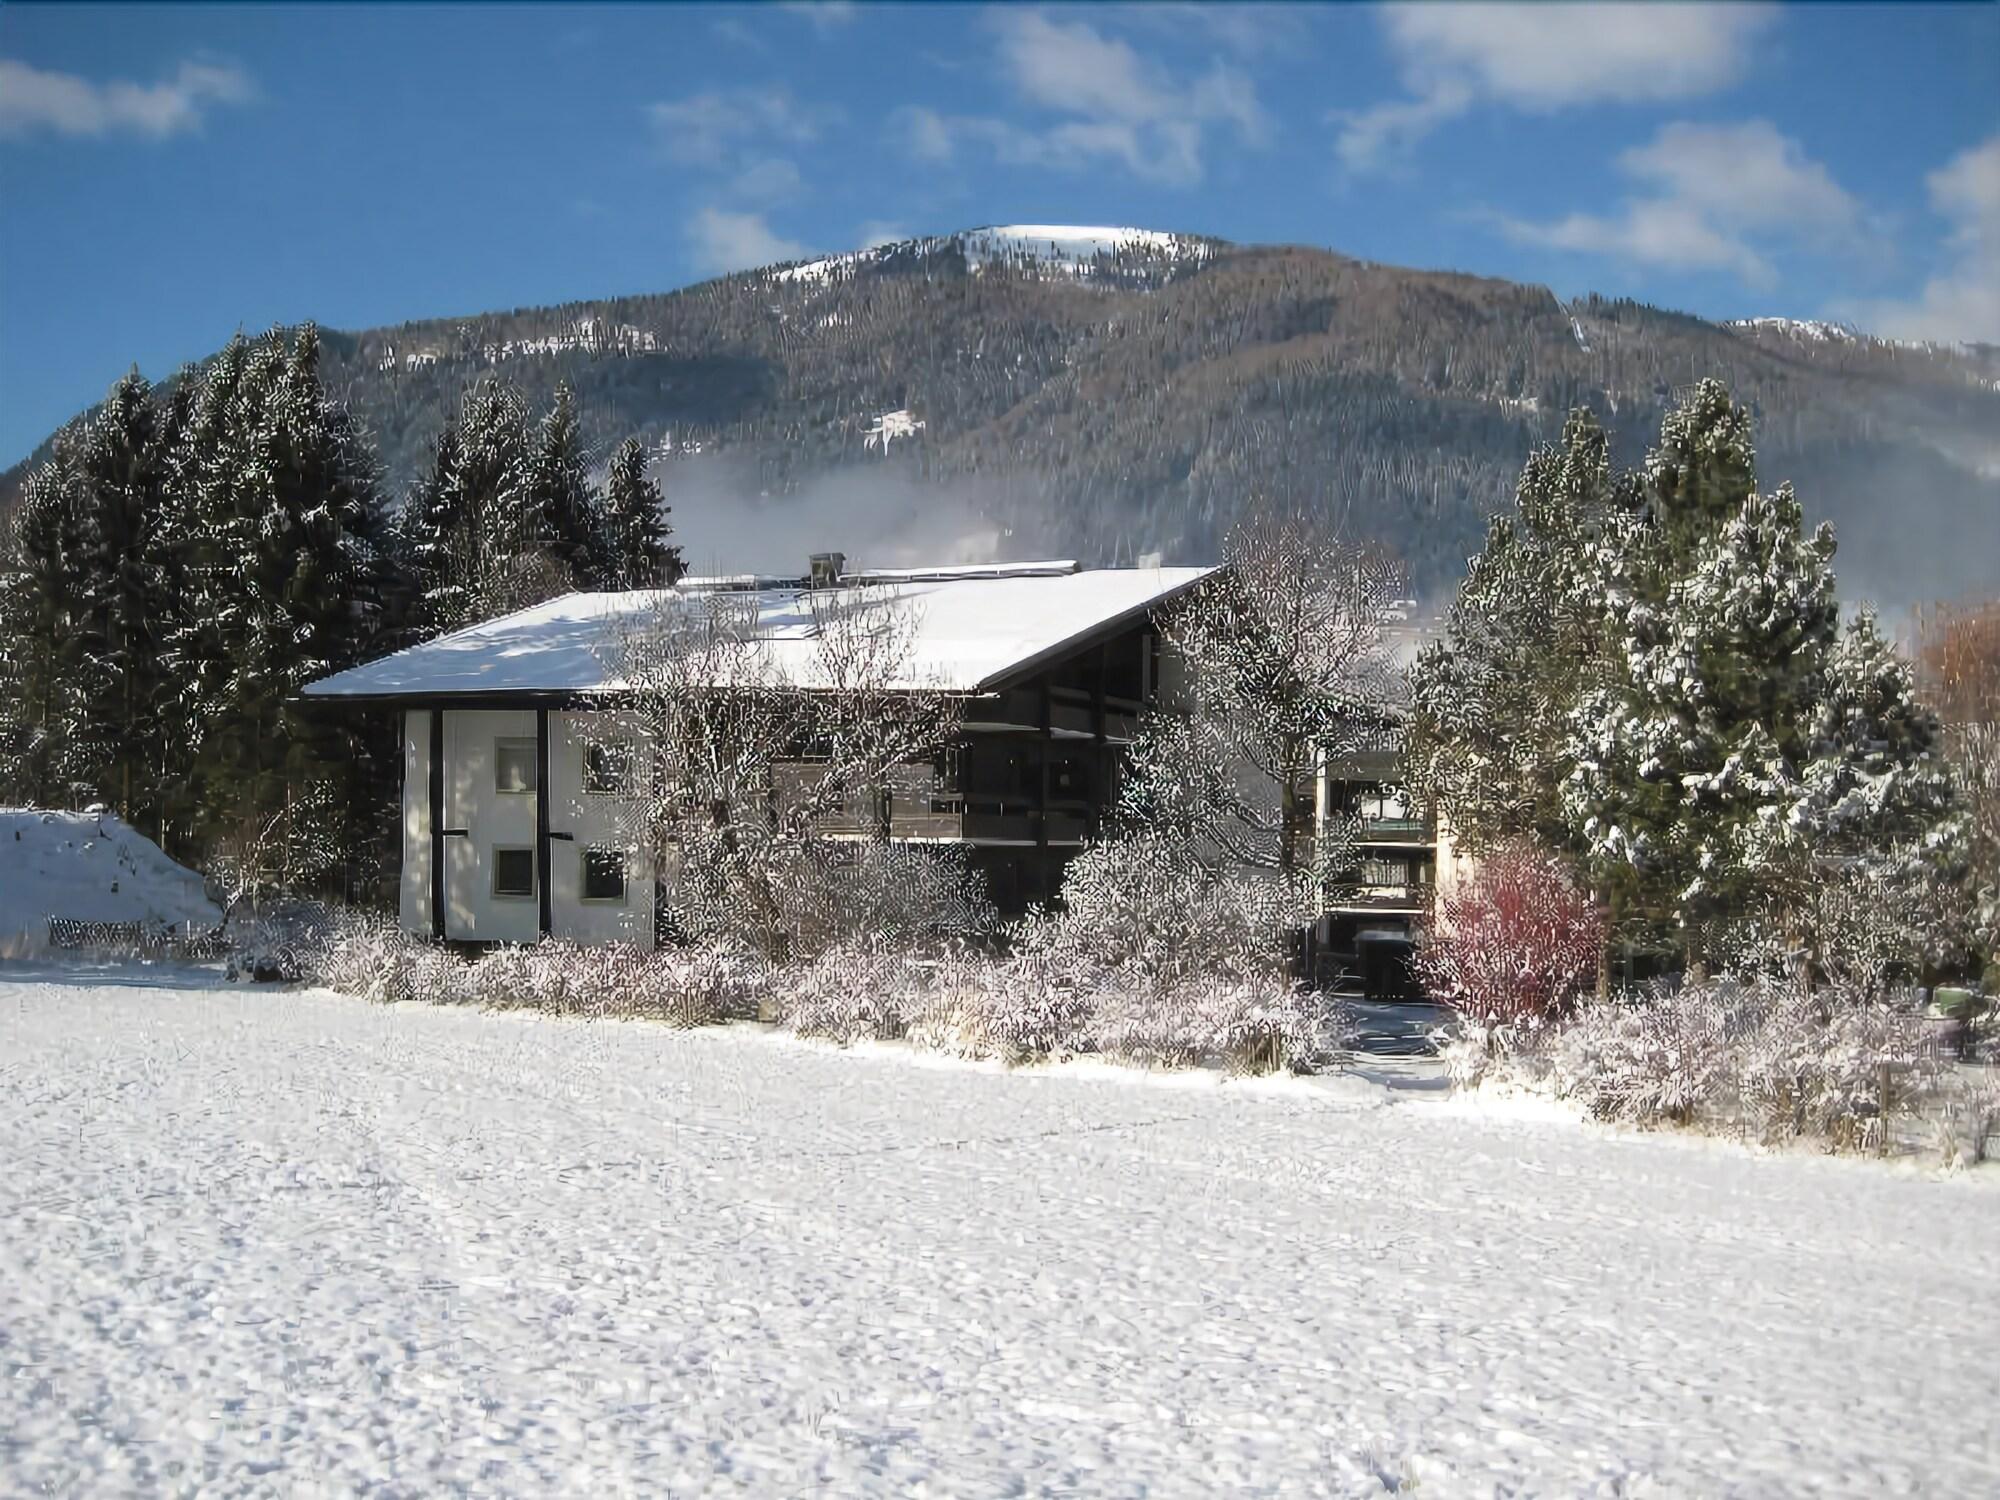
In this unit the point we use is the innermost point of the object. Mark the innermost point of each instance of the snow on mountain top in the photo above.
(1071, 244)
(89, 867)
(1070, 248)
(1813, 329)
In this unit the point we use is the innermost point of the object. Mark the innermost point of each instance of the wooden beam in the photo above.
(437, 824)
(542, 817)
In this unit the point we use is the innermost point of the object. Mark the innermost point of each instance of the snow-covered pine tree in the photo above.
(565, 519)
(498, 556)
(39, 644)
(1879, 826)
(437, 535)
(635, 522)
(1689, 768)
(123, 606)
(1525, 637)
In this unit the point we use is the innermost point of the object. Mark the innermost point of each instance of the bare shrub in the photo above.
(1517, 945)
(1765, 1058)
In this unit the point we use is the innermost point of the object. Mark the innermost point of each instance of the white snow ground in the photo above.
(259, 1242)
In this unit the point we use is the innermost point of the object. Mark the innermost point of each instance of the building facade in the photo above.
(523, 762)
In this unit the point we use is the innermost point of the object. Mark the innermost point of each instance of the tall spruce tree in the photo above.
(565, 520)
(1689, 767)
(636, 525)
(1525, 638)
(123, 605)
(40, 647)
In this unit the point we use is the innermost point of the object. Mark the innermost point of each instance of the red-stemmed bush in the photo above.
(1516, 944)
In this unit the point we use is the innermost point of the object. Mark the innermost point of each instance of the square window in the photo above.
(607, 768)
(513, 872)
(514, 766)
(604, 875)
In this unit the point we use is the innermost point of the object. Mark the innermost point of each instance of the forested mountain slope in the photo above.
(1109, 394)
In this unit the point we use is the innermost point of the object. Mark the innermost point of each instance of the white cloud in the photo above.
(714, 127)
(876, 233)
(722, 241)
(1961, 304)
(1543, 58)
(1713, 192)
(825, 15)
(1105, 102)
(33, 99)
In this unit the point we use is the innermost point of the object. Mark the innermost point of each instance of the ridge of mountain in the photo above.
(1110, 393)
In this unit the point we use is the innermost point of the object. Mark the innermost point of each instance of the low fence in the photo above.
(136, 937)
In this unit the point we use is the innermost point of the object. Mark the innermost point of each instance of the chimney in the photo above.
(825, 568)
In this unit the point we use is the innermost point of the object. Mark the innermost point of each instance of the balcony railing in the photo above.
(1406, 829)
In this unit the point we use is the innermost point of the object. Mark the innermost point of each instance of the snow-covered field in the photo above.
(268, 1242)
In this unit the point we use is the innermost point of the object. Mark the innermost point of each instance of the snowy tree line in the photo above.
(1646, 672)
(1646, 714)
(189, 557)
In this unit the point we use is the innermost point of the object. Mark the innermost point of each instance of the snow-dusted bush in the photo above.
(371, 958)
(1516, 945)
(1255, 1025)
(1658, 1059)
(1144, 903)
(1838, 1068)
(818, 894)
(855, 992)
(684, 987)
(1766, 1058)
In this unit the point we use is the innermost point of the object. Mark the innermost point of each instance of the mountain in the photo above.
(1113, 393)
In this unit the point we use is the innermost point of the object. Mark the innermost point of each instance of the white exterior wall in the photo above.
(492, 819)
(595, 821)
(414, 903)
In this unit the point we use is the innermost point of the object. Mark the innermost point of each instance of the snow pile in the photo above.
(88, 867)
(307, 1245)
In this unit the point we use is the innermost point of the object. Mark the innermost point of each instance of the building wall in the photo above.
(414, 897)
(595, 820)
(480, 818)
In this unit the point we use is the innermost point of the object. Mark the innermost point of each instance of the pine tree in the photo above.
(122, 605)
(564, 517)
(1690, 767)
(1526, 636)
(437, 535)
(39, 644)
(636, 525)
(496, 551)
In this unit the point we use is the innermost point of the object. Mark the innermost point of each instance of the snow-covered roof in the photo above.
(970, 630)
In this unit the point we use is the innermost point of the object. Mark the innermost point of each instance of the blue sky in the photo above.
(169, 174)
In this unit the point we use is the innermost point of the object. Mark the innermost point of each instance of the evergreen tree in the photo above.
(122, 604)
(1490, 700)
(437, 534)
(499, 541)
(636, 525)
(39, 643)
(564, 517)
(1689, 767)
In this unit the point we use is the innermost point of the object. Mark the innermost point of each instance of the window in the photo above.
(513, 872)
(607, 768)
(514, 766)
(604, 875)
